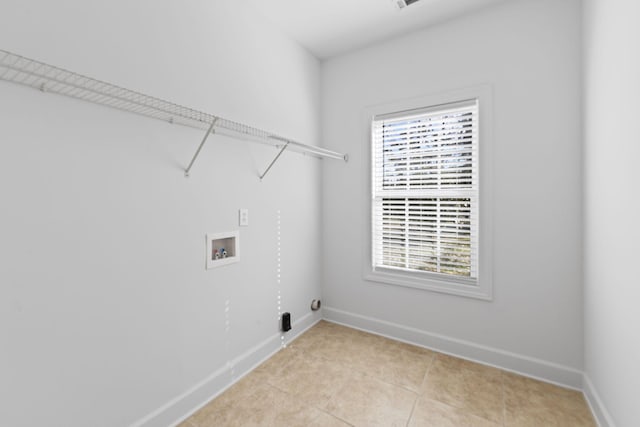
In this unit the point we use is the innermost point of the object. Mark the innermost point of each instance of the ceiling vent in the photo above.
(404, 3)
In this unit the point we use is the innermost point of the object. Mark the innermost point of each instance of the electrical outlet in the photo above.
(243, 217)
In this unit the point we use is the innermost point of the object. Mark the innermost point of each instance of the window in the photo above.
(425, 198)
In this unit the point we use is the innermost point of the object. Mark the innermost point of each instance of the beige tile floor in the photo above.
(337, 376)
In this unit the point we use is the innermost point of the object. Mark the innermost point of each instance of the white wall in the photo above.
(612, 90)
(529, 53)
(106, 310)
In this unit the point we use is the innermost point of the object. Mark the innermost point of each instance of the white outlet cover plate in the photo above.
(243, 217)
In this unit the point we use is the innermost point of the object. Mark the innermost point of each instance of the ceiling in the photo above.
(328, 28)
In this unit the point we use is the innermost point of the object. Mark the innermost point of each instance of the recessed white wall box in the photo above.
(222, 248)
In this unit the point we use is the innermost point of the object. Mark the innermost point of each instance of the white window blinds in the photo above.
(425, 191)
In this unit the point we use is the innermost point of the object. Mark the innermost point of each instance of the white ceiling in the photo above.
(330, 27)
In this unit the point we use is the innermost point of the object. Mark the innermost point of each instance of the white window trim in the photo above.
(483, 289)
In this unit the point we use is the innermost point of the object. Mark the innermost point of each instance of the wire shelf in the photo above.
(48, 78)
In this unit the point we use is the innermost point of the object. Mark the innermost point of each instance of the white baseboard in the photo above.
(182, 406)
(599, 411)
(528, 366)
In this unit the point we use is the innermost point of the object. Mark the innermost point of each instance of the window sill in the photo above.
(430, 283)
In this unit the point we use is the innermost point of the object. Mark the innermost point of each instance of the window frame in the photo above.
(437, 282)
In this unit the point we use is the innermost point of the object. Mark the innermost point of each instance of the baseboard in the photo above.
(599, 411)
(182, 406)
(524, 365)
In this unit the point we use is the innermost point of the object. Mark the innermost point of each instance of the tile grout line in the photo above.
(413, 408)
(333, 356)
(504, 401)
(367, 373)
(419, 395)
(334, 393)
(461, 406)
(334, 416)
(305, 356)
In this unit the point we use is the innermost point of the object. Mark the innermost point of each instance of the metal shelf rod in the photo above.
(195, 156)
(48, 78)
(284, 147)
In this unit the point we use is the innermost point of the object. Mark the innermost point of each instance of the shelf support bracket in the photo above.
(195, 156)
(284, 147)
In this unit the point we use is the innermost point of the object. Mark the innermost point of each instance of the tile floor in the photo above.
(337, 376)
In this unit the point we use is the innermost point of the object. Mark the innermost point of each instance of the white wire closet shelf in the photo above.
(48, 78)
